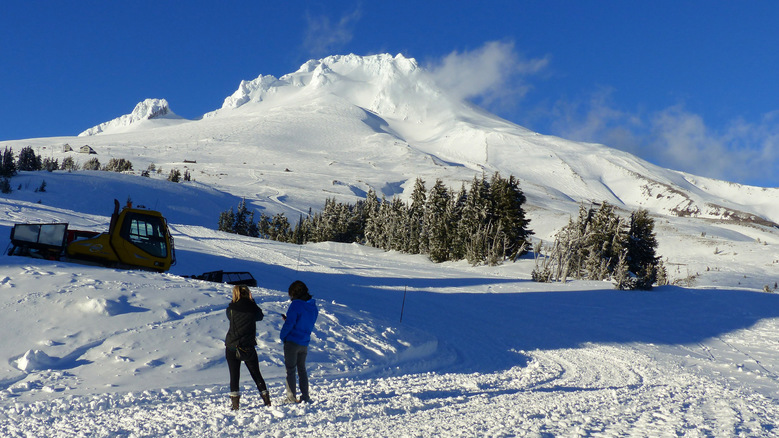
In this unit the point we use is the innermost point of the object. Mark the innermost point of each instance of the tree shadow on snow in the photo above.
(489, 331)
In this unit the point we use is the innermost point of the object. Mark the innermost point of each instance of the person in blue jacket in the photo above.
(296, 335)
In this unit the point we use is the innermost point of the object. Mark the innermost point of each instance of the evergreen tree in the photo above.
(227, 221)
(480, 224)
(8, 165)
(621, 275)
(641, 245)
(280, 229)
(243, 220)
(91, 164)
(416, 232)
(371, 213)
(381, 224)
(300, 232)
(68, 164)
(397, 223)
(28, 160)
(174, 176)
(599, 245)
(50, 165)
(458, 235)
(338, 222)
(5, 185)
(435, 222)
(476, 218)
(604, 239)
(356, 222)
(507, 201)
(118, 165)
(264, 226)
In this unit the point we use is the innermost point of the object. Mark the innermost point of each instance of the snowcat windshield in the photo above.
(146, 233)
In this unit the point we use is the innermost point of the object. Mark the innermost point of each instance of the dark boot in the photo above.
(265, 397)
(236, 402)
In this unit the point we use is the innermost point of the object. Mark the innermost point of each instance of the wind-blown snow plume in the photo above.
(323, 36)
(490, 74)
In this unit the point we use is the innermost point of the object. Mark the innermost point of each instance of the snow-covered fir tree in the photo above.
(243, 221)
(69, 164)
(371, 212)
(485, 225)
(600, 245)
(91, 164)
(227, 221)
(641, 243)
(435, 222)
(507, 200)
(459, 235)
(415, 215)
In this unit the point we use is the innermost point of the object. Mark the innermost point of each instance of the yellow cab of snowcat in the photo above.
(135, 238)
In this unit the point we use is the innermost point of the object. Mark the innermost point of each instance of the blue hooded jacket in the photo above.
(301, 317)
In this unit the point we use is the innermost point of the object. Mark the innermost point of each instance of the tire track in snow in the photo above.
(559, 393)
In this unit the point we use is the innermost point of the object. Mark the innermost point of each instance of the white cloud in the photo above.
(323, 37)
(597, 120)
(740, 152)
(682, 139)
(746, 152)
(491, 75)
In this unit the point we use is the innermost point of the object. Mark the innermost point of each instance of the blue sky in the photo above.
(687, 85)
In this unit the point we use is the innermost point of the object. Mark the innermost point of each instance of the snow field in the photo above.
(560, 393)
(481, 351)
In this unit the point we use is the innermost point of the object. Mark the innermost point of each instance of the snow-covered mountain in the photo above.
(352, 114)
(477, 351)
(149, 109)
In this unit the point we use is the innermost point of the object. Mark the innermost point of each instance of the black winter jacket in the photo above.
(243, 315)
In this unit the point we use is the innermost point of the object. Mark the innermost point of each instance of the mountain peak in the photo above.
(147, 110)
(391, 86)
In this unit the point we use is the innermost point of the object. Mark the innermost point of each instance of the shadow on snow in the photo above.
(488, 332)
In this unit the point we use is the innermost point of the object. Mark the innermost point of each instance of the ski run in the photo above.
(483, 351)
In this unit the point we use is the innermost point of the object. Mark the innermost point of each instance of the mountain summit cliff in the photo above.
(147, 110)
(391, 86)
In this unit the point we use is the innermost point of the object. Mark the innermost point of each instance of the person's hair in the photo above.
(241, 291)
(299, 291)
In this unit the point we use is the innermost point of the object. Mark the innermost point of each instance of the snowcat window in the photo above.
(147, 233)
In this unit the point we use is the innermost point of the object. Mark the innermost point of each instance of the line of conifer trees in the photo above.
(484, 224)
(601, 245)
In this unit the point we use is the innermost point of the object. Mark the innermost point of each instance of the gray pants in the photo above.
(295, 360)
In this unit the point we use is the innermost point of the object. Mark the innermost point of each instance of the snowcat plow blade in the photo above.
(45, 241)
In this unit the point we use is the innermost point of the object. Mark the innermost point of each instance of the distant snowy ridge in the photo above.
(387, 112)
(147, 110)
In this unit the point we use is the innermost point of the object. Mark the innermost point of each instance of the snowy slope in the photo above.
(338, 119)
(479, 351)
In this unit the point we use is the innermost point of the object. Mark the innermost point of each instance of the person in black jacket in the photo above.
(240, 341)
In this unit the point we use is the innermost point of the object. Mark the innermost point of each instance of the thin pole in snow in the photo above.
(403, 306)
(298, 265)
